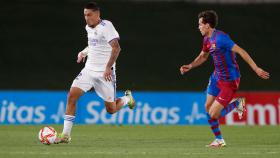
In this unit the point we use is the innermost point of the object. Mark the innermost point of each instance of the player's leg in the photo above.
(213, 119)
(238, 104)
(73, 96)
(107, 91)
(81, 84)
(127, 99)
(221, 107)
(209, 101)
(113, 107)
(212, 92)
(226, 95)
(215, 110)
(213, 122)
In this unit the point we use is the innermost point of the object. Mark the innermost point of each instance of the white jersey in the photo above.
(99, 50)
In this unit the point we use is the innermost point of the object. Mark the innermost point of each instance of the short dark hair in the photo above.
(92, 5)
(210, 17)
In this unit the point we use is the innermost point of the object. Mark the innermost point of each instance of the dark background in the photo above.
(40, 39)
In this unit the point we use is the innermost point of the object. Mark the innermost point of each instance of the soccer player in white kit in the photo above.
(99, 71)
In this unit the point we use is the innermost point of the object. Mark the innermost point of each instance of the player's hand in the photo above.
(108, 74)
(185, 68)
(262, 74)
(81, 57)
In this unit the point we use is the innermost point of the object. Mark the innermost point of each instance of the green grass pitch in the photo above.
(142, 141)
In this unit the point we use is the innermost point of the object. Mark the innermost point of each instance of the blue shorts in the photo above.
(212, 88)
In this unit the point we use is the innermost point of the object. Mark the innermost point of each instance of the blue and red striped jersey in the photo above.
(220, 46)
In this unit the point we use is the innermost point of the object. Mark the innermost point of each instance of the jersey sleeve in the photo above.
(110, 33)
(205, 45)
(226, 42)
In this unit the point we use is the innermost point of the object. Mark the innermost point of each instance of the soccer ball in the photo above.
(47, 135)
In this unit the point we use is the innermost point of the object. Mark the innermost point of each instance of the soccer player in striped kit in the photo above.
(224, 81)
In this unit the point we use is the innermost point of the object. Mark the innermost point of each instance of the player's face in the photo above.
(92, 17)
(203, 28)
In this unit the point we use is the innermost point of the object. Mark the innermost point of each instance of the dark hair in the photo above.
(210, 17)
(92, 5)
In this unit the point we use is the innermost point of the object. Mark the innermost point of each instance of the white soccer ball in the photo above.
(47, 135)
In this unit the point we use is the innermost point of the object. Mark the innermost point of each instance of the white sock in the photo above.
(68, 123)
(125, 99)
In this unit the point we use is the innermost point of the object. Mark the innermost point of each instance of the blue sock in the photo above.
(229, 108)
(214, 123)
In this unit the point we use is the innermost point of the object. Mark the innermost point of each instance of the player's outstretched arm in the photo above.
(201, 58)
(115, 53)
(245, 56)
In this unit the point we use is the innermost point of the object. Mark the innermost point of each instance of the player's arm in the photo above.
(114, 55)
(82, 55)
(245, 56)
(201, 58)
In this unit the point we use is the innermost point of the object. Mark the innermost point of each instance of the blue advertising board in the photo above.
(48, 107)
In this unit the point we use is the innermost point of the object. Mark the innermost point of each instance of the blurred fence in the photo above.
(168, 108)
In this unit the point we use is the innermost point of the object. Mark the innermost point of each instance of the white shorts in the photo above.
(88, 79)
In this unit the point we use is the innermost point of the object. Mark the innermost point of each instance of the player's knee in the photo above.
(214, 115)
(110, 109)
